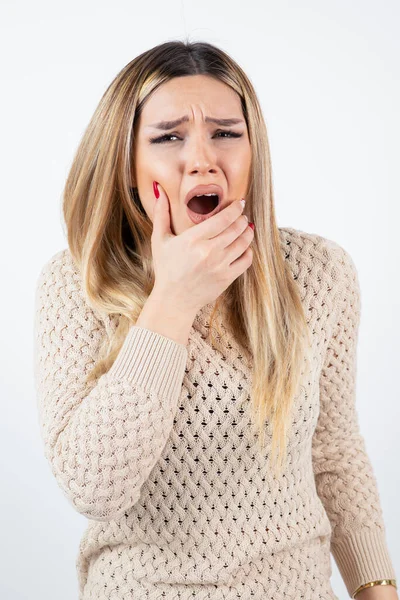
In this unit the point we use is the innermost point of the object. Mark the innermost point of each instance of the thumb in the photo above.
(161, 214)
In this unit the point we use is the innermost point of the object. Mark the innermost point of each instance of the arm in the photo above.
(344, 477)
(102, 438)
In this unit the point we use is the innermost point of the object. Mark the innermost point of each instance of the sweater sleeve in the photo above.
(102, 438)
(345, 480)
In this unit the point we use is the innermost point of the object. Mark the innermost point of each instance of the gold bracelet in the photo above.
(372, 583)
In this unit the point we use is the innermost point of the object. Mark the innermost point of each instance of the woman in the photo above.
(196, 375)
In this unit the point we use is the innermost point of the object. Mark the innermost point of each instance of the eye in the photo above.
(166, 137)
(232, 134)
(163, 138)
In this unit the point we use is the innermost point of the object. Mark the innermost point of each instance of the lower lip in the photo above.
(198, 218)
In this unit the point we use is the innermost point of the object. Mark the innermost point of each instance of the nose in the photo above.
(200, 156)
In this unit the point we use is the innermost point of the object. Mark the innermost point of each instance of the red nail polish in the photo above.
(251, 225)
(155, 190)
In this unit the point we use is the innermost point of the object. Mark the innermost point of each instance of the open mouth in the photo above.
(203, 204)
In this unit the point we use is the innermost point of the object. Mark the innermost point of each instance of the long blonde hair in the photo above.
(109, 233)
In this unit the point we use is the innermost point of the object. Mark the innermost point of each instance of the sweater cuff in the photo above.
(362, 557)
(152, 361)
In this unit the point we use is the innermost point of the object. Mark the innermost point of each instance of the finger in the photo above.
(161, 215)
(218, 223)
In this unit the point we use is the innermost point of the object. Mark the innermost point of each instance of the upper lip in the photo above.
(212, 188)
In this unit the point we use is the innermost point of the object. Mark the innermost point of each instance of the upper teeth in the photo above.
(206, 195)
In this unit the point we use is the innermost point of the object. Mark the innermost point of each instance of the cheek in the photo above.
(237, 160)
(239, 168)
(157, 165)
(148, 167)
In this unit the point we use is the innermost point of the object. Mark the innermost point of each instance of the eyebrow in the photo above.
(164, 125)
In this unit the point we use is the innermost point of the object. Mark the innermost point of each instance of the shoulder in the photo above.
(59, 266)
(315, 257)
(68, 331)
(59, 275)
(59, 285)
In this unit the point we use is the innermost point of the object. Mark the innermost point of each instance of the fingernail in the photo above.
(155, 190)
(243, 202)
(251, 225)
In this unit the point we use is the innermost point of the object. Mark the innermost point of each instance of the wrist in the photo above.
(162, 315)
(171, 305)
(380, 591)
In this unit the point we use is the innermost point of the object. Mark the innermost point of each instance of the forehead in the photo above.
(192, 95)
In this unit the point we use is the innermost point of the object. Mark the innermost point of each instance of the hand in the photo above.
(195, 267)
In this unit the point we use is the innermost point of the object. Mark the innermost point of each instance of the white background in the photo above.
(327, 76)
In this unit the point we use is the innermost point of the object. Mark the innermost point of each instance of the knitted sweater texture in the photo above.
(160, 456)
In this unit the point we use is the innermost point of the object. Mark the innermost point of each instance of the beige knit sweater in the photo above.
(160, 457)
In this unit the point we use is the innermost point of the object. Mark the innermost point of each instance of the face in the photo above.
(195, 151)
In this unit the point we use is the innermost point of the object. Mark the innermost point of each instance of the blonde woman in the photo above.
(195, 363)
